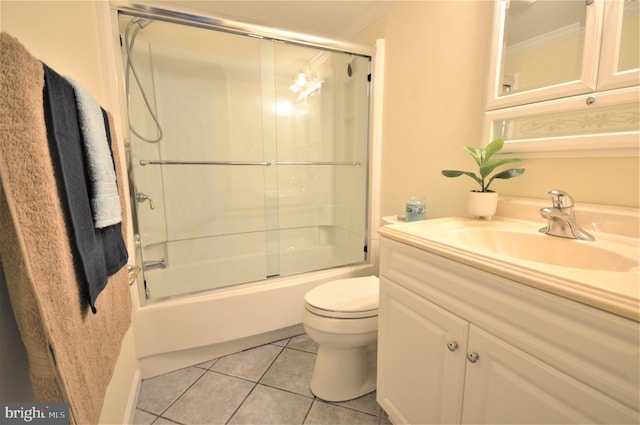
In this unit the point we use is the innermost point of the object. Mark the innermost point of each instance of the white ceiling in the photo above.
(332, 19)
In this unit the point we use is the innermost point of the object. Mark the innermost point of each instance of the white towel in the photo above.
(105, 203)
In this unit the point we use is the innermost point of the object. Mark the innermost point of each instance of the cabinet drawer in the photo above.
(591, 345)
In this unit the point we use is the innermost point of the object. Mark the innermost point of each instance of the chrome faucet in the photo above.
(562, 218)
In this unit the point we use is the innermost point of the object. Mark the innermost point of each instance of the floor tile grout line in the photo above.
(301, 350)
(168, 419)
(353, 409)
(258, 381)
(204, 371)
(311, 397)
(282, 389)
(255, 384)
(273, 361)
(308, 411)
(282, 346)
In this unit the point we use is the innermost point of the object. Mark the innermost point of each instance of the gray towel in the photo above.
(105, 203)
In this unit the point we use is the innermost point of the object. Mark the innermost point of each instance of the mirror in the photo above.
(629, 57)
(543, 50)
(543, 44)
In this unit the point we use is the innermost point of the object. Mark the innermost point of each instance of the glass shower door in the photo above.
(261, 167)
(322, 150)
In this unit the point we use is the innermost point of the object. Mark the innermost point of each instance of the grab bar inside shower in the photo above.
(314, 163)
(145, 162)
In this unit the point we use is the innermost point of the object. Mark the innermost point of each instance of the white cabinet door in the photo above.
(506, 385)
(421, 358)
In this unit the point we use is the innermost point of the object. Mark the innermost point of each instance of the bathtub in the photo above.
(199, 264)
(206, 325)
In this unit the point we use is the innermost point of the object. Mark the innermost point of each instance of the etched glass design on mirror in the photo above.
(599, 120)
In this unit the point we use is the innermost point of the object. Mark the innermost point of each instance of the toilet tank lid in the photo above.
(353, 294)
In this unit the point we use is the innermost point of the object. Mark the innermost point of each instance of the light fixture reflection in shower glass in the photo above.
(310, 89)
(299, 81)
(284, 108)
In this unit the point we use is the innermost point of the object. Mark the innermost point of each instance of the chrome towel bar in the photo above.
(144, 162)
(314, 163)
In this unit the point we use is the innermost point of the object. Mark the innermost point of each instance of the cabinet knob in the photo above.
(473, 357)
(591, 100)
(452, 345)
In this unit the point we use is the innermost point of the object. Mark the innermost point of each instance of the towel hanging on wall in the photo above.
(97, 252)
(72, 354)
(105, 203)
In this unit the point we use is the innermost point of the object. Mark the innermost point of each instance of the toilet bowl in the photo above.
(341, 316)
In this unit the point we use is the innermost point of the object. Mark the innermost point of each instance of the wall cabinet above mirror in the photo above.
(550, 49)
(564, 77)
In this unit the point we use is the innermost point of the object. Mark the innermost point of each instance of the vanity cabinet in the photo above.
(460, 345)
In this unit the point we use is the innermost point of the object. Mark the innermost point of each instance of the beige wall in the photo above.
(435, 72)
(66, 36)
(435, 78)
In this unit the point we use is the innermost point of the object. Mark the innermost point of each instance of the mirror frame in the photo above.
(609, 76)
(590, 59)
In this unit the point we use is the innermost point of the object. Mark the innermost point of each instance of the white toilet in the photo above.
(341, 316)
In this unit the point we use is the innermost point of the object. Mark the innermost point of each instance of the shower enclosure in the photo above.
(248, 155)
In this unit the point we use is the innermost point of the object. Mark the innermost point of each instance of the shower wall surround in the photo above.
(279, 133)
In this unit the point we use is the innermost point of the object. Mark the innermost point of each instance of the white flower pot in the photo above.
(483, 204)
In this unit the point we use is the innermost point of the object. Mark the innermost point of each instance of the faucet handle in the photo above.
(561, 199)
(141, 197)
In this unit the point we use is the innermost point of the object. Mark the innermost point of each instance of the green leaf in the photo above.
(457, 173)
(482, 158)
(488, 167)
(493, 147)
(475, 153)
(505, 175)
(509, 174)
(452, 173)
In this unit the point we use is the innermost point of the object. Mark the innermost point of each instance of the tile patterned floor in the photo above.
(268, 384)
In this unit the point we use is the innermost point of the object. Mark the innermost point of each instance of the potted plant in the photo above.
(484, 202)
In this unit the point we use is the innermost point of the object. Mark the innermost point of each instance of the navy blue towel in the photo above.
(98, 253)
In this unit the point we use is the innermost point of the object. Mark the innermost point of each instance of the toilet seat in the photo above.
(352, 298)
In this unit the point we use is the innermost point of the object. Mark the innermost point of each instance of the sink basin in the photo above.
(541, 248)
